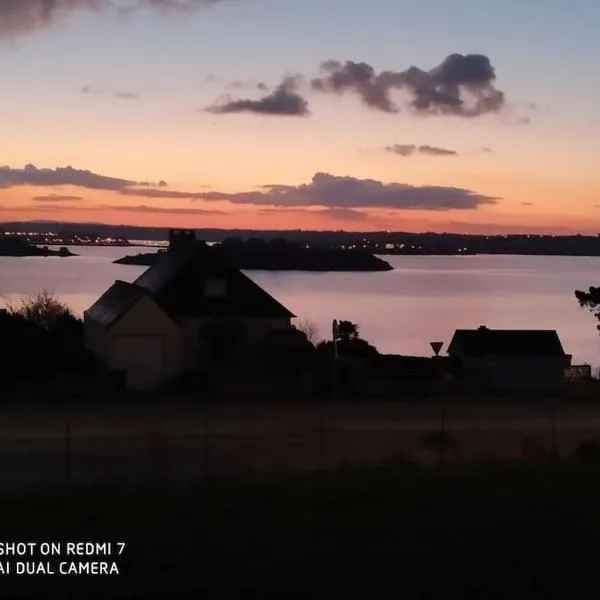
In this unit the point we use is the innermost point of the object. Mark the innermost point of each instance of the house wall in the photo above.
(514, 369)
(96, 340)
(194, 350)
(146, 343)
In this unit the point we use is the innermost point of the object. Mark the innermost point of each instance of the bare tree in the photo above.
(310, 330)
(43, 309)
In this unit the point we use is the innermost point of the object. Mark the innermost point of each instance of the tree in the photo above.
(347, 331)
(44, 310)
(309, 329)
(591, 301)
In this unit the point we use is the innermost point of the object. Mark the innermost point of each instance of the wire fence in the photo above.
(70, 453)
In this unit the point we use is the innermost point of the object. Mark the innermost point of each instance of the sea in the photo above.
(423, 300)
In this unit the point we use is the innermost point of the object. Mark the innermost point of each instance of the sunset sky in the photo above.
(439, 115)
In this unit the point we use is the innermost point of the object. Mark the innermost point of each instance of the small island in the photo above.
(13, 246)
(281, 255)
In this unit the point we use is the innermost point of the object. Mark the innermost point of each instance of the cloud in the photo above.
(143, 208)
(411, 150)
(524, 121)
(126, 95)
(248, 85)
(486, 150)
(123, 95)
(323, 191)
(284, 100)
(332, 191)
(24, 17)
(526, 203)
(344, 214)
(348, 214)
(56, 198)
(30, 175)
(461, 85)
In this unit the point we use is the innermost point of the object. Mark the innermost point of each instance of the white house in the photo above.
(163, 324)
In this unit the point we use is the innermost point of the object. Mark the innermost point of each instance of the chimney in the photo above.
(179, 238)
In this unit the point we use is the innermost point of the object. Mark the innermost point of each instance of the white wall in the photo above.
(145, 323)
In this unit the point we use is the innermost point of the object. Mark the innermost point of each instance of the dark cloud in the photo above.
(526, 203)
(412, 149)
(22, 17)
(461, 85)
(57, 198)
(486, 150)
(30, 175)
(524, 121)
(284, 100)
(331, 191)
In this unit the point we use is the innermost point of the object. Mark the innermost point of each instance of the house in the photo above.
(188, 309)
(509, 356)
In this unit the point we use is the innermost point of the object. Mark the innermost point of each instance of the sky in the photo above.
(468, 116)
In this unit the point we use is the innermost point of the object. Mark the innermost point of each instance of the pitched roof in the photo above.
(173, 281)
(119, 298)
(507, 342)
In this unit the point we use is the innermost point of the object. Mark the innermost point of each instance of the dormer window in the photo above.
(215, 288)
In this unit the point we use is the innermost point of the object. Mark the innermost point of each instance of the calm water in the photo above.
(424, 299)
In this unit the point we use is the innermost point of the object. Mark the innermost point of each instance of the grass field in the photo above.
(48, 446)
(525, 530)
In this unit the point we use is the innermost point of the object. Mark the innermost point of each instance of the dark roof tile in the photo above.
(119, 298)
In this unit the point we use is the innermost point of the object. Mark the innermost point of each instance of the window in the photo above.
(215, 288)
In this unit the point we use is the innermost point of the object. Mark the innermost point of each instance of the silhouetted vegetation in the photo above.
(489, 531)
(374, 242)
(591, 301)
(13, 246)
(41, 337)
(257, 254)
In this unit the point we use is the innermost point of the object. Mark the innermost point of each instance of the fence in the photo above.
(228, 441)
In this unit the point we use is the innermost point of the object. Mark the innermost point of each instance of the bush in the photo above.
(43, 337)
(588, 451)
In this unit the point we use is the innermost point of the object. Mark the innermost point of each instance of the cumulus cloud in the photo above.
(284, 100)
(411, 149)
(333, 191)
(461, 85)
(340, 194)
(30, 175)
(56, 198)
(22, 17)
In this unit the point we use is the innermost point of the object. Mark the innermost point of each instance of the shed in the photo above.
(508, 356)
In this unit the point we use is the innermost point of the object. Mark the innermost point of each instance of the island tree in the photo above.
(591, 301)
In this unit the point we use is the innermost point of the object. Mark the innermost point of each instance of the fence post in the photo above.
(442, 440)
(322, 444)
(67, 454)
(554, 446)
(205, 453)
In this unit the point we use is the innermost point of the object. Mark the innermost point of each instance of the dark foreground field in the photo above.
(515, 531)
